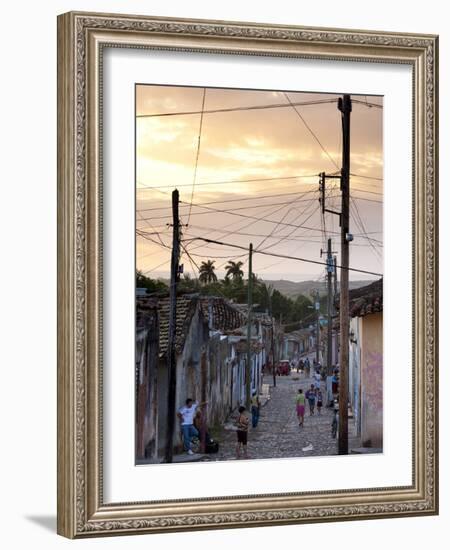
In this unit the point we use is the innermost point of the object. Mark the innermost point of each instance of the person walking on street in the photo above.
(255, 409)
(300, 407)
(307, 367)
(335, 383)
(311, 397)
(319, 401)
(317, 379)
(242, 432)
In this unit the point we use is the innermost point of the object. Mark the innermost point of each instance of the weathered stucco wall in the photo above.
(146, 391)
(372, 380)
(355, 371)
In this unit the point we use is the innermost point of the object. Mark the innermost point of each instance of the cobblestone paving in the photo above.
(278, 433)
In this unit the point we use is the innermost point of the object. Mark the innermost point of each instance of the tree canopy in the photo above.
(234, 287)
(206, 272)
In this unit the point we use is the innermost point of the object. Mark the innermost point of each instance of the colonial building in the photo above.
(211, 357)
(366, 362)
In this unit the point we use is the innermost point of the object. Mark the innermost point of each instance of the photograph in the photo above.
(259, 274)
(247, 274)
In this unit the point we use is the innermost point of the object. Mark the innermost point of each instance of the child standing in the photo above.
(311, 397)
(300, 406)
(319, 401)
(255, 409)
(242, 431)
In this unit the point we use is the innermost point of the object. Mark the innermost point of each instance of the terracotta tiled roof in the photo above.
(367, 299)
(241, 347)
(226, 317)
(146, 310)
(186, 307)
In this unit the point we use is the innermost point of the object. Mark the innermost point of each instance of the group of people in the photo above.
(300, 365)
(314, 398)
(190, 416)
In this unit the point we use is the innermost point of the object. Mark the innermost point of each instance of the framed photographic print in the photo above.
(247, 283)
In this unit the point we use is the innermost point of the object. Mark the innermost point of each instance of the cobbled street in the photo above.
(278, 433)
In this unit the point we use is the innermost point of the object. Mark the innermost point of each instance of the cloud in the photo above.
(246, 145)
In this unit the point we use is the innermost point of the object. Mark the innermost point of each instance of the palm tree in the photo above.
(206, 272)
(234, 271)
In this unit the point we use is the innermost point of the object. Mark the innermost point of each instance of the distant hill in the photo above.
(293, 289)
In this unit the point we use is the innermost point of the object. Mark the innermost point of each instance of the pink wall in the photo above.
(372, 380)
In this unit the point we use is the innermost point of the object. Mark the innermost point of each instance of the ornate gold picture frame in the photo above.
(82, 39)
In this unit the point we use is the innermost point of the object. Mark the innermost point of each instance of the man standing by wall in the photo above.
(186, 415)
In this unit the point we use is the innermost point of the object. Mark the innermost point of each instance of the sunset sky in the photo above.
(211, 158)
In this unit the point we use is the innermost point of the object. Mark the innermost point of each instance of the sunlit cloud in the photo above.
(239, 147)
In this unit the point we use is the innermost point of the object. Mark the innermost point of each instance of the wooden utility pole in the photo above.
(330, 268)
(345, 106)
(335, 292)
(171, 352)
(248, 371)
(280, 354)
(317, 307)
(274, 373)
(335, 286)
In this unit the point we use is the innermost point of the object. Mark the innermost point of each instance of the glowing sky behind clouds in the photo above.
(246, 145)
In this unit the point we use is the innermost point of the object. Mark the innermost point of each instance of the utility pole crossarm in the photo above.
(322, 188)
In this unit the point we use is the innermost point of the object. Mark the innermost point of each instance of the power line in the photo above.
(225, 233)
(282, 219)
(362, 227)
(235, 109)
(232, 212)
(366, 177)
(150, 225)
(298, 238)
(191, 260)
(250, 180)
(198, 152)
(226, 182)
(188, 205)
(148, 238)
(240, 199)
(366, 191)
(310, 131)
(249, 217)
(367, 103)
(285, 237)
(156, 267)
(284, 256)
(365, 199)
